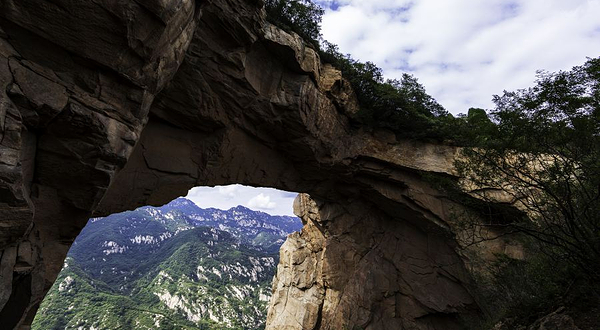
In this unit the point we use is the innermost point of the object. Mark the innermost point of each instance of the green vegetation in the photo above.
(402, 106)
(545, 151)
(518, 292)
(542, 148)
(168, 268)
(77, 300)
(191, 274)
(300, 16)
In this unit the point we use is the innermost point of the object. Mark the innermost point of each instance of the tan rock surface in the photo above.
(351, 267)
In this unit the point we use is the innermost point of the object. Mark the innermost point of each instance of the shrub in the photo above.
(300, 16)
(402, 106)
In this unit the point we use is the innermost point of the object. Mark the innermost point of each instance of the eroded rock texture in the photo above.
(109, 105)
(354, 267)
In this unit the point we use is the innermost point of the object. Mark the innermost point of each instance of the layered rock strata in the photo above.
(109, 105)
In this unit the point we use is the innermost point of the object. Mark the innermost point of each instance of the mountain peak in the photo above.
(241, 208)
(181, 201)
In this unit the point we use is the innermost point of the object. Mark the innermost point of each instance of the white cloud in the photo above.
(228, 191)
(465, 51)
(270, 200)
(261, 202)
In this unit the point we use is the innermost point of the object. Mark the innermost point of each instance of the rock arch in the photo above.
(107, 106)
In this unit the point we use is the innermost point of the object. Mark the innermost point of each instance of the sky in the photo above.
(462, 51)
(465, 51)
(269, 200)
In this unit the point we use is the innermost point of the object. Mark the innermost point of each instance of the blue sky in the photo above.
(268, 200)
(462, 51)
(465, 51)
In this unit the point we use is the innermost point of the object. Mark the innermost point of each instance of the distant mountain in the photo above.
(172, 267)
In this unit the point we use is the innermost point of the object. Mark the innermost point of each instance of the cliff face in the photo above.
(355, 267)
(109, 105)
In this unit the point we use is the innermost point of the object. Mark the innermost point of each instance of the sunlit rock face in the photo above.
(353, 266)
(107, 106)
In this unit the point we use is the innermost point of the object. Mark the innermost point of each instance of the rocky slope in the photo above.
(108, 106)
(168, 268)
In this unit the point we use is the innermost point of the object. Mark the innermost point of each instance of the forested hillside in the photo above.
(171, 267)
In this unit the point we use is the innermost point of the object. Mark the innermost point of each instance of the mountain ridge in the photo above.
(167, 268)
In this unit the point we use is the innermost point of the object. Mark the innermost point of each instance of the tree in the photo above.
(402, 106)
(544, 152)
(300, 16)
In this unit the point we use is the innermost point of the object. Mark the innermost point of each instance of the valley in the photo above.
(172, 267)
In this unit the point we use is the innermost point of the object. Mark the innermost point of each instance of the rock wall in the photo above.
(77, 81)
(109, 105)
(353, 267)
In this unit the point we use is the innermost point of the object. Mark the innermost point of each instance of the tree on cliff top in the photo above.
(301, 16)
(401, 105)
(541, 147)
(544, 151)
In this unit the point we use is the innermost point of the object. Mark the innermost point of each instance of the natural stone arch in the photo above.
(360, 265)
(215, 95)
